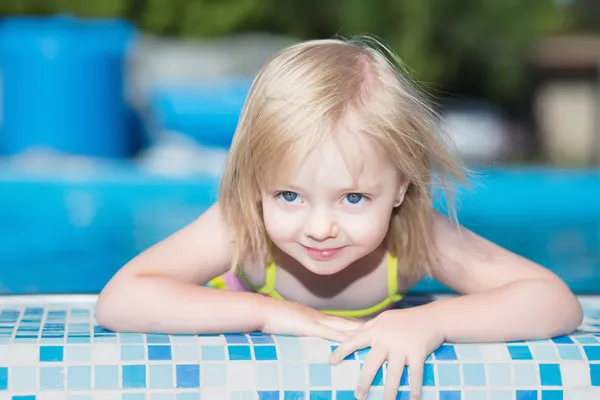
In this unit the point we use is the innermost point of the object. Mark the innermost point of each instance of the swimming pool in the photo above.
(51, 348)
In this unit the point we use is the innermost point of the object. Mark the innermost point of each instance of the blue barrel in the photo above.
(63, 85)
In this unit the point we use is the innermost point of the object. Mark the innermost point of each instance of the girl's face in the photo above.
(336, 207)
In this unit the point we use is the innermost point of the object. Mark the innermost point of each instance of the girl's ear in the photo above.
(401, 193)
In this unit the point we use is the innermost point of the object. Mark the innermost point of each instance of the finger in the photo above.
(393, 375)
(373, 362)
(329, 333)
(416, 366)
(358, 340)
(343, 324)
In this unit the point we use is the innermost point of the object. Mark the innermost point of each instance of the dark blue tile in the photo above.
(261, 339)
(378, 380)
(592, 352)
(562, 340)
(449, 395)
(595, 374)
(156, 353)
(403, 395)
(3, 378)
(520, 353)
(187, 375)
(345, 395)
(550, 375)
(552, 395)
(263, 353)
(236, 338)
(134, 376)
(445, 352)
(320, 395)
(51, 353)
(527, 395)
(428, 377)
(268, 395)
(239, 352)
(404, 379)
(24, 397)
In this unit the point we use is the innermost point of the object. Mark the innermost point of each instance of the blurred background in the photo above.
(116, 117)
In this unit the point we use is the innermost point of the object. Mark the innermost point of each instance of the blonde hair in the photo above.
(307, 90)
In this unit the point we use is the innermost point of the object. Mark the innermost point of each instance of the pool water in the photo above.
(52, 348)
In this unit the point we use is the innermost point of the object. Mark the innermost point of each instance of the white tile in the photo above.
(211, 340)
(495, 352)
(107, 395)
(575, 373)
(23, 354)
(316, 350)
(240, 375)
(215, 393)
(588, 393)
(345, 375)
(106, 353)
(184, 353)
(51, 396)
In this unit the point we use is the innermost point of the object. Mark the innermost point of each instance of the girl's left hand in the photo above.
(403, 337)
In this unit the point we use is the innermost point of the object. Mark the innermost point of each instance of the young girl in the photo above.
(325, 218)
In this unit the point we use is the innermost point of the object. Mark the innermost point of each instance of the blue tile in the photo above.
(131, 338)
(160, 376)
(51, 353)
(474, 374)
(159, 353)
(449, 395)
(188, 375)
(595, 374)
(562, 340)
(448, 375)
(520, 353)
(268, 395)
(320, 395)
(261, 339)
(552, 395)
(445, 352)
(319, 375)
(157, 338)
(550, 375)
(404, 380)
(213, 353)
(592, 352)
(239, 353)
(134, 376)
(586, 339)
(294, 395)
(51, 378)
(79, 377)
(570, 353)
(344, 395)
(106, 377)
(526, 395)
(132, 353)
(188, 396)
(23, 397)
(236, 338)
(263, 353)
(378, 379)
(133, 396)
(428, 377)
(403, 395)
(3, 378)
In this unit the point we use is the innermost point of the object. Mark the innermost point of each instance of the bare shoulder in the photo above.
(196, 253)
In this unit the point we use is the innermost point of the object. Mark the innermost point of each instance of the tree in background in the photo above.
(476, 47)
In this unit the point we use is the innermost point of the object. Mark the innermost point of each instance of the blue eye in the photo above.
(354, 198)
(288, 197)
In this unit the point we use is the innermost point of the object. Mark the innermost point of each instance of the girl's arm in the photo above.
(161, 290)
(506, 297)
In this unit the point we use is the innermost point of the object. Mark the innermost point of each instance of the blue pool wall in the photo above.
(70, 235)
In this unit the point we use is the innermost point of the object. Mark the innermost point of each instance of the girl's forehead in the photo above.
(345, 155)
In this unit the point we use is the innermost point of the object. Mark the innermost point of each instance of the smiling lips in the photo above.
(323, 254)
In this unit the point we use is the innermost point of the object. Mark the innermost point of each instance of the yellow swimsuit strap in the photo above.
(392, 282)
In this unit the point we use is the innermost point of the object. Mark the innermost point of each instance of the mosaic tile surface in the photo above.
(57, 351)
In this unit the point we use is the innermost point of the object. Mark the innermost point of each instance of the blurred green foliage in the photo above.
(478, 46)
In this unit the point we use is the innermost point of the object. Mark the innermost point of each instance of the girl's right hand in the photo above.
(290, 318)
